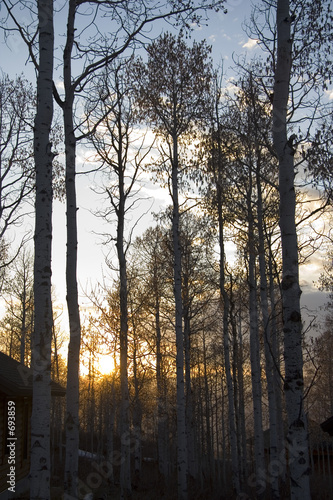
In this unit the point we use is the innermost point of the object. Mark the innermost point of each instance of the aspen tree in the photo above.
(43, 321)
(291, 292)
(153, 262)
(172, 91)
(127, 23)
(219, 180)
(113, 145)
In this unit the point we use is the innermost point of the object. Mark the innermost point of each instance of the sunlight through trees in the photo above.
(188, 373)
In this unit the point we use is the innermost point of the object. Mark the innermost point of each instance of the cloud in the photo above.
(250, 44)
(329, 94)
(196, 26)
(60, 85)
(212, 38)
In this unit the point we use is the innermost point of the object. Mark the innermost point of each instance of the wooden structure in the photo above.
(15, 415)
(327, 426)
(320, 446)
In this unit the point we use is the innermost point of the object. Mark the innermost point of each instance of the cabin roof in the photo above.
(16, 379)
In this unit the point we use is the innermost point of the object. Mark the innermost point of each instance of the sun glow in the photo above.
(105, 364)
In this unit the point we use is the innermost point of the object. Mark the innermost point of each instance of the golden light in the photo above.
(105, 364)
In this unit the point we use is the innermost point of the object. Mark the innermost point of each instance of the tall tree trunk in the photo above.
(218, 180)
(73, 360)
(237, 368)
(110, 405)
(281, 449)
(292, 322)
(42, 335)
(255, 357)
(200, 419)
(242, 430)
(192, 462)
(217, 423)
(209, 468)
(226, 309)
(273, 449)
(57, 427)
(137, 416)
(224, 438)
(125, 466)
(181, 402)
(162, 415)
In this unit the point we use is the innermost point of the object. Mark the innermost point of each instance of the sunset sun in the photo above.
(105, 364)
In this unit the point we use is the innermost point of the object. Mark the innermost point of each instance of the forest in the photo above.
(192, 372)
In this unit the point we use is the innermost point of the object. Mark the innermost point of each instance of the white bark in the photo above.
(41, 345)
(73, 360)
(297, 425)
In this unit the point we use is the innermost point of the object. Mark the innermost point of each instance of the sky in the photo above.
(226, 35)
